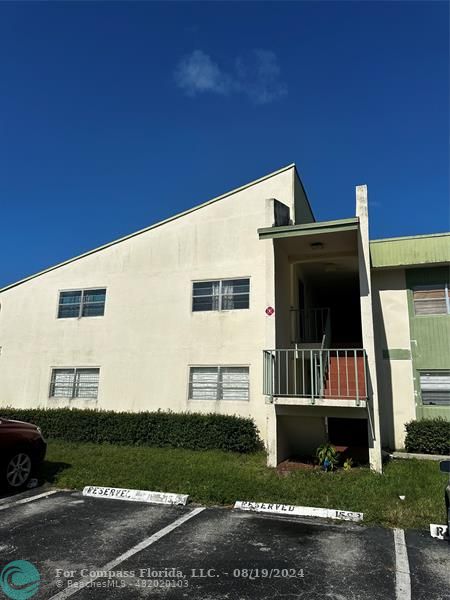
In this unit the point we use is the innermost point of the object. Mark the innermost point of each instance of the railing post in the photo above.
(346, 373)
(278, 362)
(321, 375)
(295, 372)
(287, 374)
(366, 388)
(271, 368)
(356, 377)
(303, 373)
(338, 362)
(264, 373)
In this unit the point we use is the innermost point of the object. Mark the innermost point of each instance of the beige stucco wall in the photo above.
(149, 335)
(395, 377)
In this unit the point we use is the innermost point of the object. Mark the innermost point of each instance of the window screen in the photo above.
(69, 304)
(223, 294)
(93, 303)
(82, 303)
(74, 383)
(219, 383)
(431, 300)
(435, 387)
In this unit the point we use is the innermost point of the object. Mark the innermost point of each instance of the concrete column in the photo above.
(269, 334)
(367, 326)
(272, 441)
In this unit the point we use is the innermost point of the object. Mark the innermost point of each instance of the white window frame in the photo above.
(218, 387)
(431, 372)
(75, 370)
(80, 310)
(431, 286)
(220, 295)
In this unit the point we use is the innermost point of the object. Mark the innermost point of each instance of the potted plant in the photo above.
(327, 456)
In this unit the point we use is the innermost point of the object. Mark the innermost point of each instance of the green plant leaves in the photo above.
(192, 431)
(428, 436)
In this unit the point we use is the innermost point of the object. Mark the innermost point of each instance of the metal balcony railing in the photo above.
(316, 374)
(309, 325)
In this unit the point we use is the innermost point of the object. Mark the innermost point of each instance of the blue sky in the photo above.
(116, 115)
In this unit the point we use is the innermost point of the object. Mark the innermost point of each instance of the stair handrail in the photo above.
(325, 354)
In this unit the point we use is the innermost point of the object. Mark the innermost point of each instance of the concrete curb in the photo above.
(409, 455)
(94, 491)
(299, 511)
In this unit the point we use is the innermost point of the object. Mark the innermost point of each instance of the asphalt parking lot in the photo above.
(133, 550)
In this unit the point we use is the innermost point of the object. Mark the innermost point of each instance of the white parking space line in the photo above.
(29, 499)
(402, 574)
(126, 555)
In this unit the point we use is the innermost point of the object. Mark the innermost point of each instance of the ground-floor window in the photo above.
(219, 383)
(435, 387)
(74, 383)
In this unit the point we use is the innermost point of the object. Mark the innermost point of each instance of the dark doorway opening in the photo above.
(350, 436)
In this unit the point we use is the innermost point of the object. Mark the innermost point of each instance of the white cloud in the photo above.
(256, 75)
(197, 73)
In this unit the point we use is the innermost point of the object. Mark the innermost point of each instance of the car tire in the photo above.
(17, 470)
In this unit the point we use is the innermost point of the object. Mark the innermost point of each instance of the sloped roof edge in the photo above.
(158, 224)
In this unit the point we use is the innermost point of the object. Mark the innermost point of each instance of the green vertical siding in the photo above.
(433, 412)
(430, 337)
(416, 250)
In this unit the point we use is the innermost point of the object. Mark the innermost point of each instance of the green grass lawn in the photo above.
(215, 477)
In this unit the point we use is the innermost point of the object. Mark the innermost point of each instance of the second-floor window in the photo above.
(431, 299)
(82, 303)
(221, 294)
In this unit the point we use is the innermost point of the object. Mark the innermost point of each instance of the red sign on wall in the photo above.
(269, 311)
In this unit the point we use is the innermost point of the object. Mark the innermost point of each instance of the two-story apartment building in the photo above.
(243, 305)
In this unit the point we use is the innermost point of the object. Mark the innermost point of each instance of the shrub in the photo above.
(428, 436)
(193, 431)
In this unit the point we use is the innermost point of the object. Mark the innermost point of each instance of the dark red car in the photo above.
(22, 450)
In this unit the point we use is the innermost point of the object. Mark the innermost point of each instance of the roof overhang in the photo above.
(319, 246)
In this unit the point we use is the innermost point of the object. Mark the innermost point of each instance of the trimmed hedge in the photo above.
(428, 436)
(192, 431)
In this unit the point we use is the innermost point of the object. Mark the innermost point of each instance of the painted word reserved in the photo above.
(135, 495)
(299, 511)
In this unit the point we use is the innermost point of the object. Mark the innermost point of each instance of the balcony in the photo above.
(325, 376)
